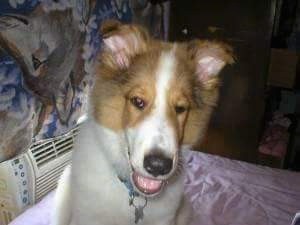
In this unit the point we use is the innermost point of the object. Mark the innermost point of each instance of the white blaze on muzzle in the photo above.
(155, 135)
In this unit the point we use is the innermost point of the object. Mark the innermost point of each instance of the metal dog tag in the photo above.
(139, 213)
(139, 208)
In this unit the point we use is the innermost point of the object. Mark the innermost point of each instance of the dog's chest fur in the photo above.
(96, 185)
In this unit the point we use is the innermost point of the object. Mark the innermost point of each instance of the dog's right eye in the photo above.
(180, 109)
(138, 102)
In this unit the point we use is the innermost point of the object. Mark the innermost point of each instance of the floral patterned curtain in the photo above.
(46, 51)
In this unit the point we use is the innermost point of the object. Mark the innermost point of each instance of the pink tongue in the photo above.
(147, 185)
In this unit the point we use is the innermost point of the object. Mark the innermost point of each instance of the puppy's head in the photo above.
(159, 94)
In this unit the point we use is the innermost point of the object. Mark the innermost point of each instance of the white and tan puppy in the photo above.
(150, 98)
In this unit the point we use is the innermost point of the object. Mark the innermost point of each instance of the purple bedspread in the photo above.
(223, 192)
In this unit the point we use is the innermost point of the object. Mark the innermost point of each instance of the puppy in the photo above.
(149, 99)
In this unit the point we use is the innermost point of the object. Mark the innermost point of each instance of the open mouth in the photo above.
(146, 185)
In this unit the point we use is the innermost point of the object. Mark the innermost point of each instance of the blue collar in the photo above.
(138, 209)
(132, 193)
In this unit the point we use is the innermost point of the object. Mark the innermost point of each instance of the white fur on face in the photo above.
(155, 132)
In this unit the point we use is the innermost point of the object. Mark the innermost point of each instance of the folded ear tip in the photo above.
(229, 54)
(225, 51)
(123, 41)
(211, 57)
(109, 26)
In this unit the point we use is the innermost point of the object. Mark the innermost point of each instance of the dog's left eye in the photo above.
(138, 102)
(180, 109)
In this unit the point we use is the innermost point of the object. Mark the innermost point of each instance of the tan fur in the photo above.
(131, 65)
(115, 85)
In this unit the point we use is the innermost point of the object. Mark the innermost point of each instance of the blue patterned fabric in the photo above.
(18, 101)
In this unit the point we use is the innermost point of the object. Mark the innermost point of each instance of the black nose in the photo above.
(157, 164)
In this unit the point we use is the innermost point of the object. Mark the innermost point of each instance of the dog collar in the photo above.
(133, 195)
(131, 192)
(127, 182)
(138, 208)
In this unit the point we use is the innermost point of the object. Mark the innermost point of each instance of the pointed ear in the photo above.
(122, 42)
(9, 21)
(209, 58)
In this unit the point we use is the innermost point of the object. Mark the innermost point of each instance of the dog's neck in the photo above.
(113, 146)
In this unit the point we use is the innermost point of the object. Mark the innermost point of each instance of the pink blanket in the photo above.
(223, 192)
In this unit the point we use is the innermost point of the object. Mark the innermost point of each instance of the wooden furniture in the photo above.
(236, 125)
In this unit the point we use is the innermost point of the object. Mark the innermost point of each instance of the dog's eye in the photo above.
(180, 109)
(138, 102)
